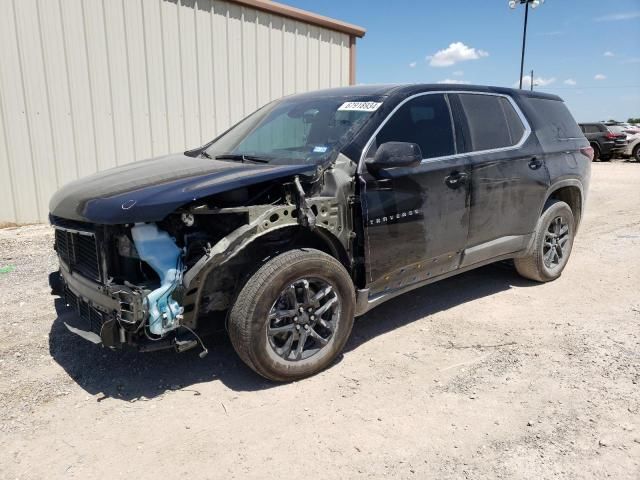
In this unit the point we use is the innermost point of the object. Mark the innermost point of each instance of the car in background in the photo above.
(624, 127)
(606, 142)
(633, 145)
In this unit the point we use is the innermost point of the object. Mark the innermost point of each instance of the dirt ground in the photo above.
(480, 376)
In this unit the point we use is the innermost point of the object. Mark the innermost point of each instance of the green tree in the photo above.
(633, 120)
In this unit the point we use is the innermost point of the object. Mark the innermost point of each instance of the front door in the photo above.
(416, 219)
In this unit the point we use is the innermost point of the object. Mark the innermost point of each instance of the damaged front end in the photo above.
(151, 285)
(123, 282)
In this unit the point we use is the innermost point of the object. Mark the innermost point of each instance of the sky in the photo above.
(586, 51)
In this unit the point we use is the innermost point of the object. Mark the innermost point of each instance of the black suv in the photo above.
(315, 209)
(605, 142)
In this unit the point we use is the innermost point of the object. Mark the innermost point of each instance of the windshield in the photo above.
(295, 131)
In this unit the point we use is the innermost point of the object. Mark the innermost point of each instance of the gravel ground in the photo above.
(480, 376)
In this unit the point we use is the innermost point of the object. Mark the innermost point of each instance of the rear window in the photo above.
(616, 129)
(493, 122)
(554, 120)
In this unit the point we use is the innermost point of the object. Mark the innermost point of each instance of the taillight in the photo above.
(611, 136)
(587, 152)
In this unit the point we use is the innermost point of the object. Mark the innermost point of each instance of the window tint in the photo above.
(516, 127)
(425, 120)
(591, 129)
(554, 120)
(493, 122)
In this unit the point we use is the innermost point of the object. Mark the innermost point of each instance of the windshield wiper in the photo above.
(242, 158)
(206, 155)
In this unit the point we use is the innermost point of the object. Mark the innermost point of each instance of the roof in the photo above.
(414, 88)
(304, 16)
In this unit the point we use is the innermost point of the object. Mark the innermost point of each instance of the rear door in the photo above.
(415, 219)
(508, 175)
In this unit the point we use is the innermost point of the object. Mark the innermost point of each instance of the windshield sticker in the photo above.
(359, 106)
(320, 149)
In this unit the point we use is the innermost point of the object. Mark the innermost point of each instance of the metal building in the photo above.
(86, 85)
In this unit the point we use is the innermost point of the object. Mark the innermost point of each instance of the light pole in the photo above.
(534, 4)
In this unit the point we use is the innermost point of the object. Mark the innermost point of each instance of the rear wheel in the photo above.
(636, 153)
(596, 152)
(552, 244)
(294, 315)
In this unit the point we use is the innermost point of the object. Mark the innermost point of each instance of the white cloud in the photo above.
(454, 81)
(454, 53)
(537, 82)
(413, 64)
(615, 17)
(609, 54)
(600, 76)
(458, 73)
(570, 81)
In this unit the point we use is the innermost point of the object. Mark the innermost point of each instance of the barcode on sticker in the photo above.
(360, 106)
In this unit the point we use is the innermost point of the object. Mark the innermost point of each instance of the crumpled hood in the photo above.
(149, 190)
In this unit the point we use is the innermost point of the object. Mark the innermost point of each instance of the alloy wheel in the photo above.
(556, 242)
(303, 319)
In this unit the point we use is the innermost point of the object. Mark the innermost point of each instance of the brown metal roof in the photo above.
(303, 16)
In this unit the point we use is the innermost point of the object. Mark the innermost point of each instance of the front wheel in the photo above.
(294, 315)
(636, 153)
(552, 244)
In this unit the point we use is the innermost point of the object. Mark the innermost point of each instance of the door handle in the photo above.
(456, 179)
(535, 163)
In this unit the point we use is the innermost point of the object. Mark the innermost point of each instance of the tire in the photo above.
(535, 266)
(636, 153)
(258, 307)
(596, 152)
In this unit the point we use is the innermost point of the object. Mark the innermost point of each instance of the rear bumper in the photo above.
(607, 147)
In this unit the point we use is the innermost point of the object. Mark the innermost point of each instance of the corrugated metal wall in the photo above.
(86, 85)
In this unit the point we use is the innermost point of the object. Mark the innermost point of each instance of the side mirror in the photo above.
(395, 154)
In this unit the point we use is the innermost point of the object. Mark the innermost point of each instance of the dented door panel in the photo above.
(415, 224)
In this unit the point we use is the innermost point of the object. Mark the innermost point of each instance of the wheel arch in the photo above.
(224, 281)
(298, 236)
(571, 192)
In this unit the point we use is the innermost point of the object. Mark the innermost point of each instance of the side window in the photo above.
(554, 121)
(493, 122)
(425, 120)
(515, 125)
